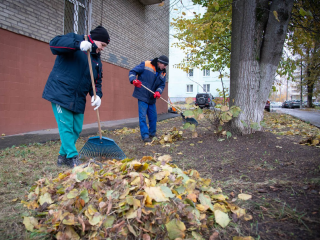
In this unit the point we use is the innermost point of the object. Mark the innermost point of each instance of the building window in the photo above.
(206, 72)
(75, 16)
(206, 87)
(189, 88)
(190, 73)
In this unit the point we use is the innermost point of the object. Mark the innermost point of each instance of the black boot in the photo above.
(146, 140)
(62, 160)
(74, 161)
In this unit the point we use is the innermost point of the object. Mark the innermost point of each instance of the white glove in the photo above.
(85, 46)
(96, 103)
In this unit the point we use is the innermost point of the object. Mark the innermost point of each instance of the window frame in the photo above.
(188, 88)
(77, 4)
(206, 72)
(206, 87)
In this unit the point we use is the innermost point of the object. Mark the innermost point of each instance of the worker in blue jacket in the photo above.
(151, 74)
(69, 83)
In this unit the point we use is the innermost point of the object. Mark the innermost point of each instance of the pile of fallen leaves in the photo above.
(123, 131)
(130, 199)
(172, 135)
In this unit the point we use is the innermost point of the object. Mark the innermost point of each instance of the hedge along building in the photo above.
(139, 31)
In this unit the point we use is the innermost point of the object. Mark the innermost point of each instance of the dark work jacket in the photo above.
(149, 77)
(69, 81)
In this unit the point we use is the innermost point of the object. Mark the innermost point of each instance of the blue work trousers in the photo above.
(70, 127)
(149, 110)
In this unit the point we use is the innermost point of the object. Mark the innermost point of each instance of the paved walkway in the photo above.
(88, 129)
(306, 114)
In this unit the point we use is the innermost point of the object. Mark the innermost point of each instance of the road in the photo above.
(306, 114)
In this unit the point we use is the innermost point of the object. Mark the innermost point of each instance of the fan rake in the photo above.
(99, 146)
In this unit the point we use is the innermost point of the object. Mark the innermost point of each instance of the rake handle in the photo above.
(160, 97)
(93, 86)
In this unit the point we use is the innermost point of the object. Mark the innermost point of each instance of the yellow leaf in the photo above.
(92, 210)
(221, 218)
(95, 219)
(224, 108)
(136, 182)
(201, 207)
(192, 197)
(156, 194)
(131, 229)
(247, 217)
(165, 158)
(219, 196)
(69, 233)
(244, 196)
(276, 15)
(73, 193)
(131, 214)
(30, 223)
(176, 229)
(243, 238)
(220, 207)
(45, 198)
(161, 175)
(69, 219)
(191, 144)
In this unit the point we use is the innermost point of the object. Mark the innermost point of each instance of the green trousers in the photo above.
(70, 127)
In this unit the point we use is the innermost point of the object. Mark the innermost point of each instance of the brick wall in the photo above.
(38, 19)
(137, 32)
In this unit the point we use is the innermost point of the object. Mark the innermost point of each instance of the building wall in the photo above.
(137, 32)
(27, 26)
(178, 78)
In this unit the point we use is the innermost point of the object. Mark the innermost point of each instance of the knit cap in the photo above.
(163, 59)
(100, 34)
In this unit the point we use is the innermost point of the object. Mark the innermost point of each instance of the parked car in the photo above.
(275, 104)
(295, 104)
(204, 100)
(287, 104)
(267, 106)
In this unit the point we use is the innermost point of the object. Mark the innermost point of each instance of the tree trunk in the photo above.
(259, 29)
(312, 71)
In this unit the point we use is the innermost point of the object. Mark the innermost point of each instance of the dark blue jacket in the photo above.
(149, 77)
(69, 81)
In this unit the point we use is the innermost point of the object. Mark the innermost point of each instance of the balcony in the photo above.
(150, 2)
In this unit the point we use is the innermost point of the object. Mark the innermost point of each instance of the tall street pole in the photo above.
(301, 84)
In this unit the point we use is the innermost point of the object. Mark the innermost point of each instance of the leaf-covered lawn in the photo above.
(280, 175)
